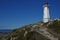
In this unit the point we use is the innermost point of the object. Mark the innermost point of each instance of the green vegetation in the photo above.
(55, 26)
(35, 36)
(30, 36)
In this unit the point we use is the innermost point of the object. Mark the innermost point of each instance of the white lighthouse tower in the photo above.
(46, 16)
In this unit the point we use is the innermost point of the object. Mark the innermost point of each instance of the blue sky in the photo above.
(17, 13)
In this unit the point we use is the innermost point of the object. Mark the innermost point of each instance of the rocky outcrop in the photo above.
(37, 31)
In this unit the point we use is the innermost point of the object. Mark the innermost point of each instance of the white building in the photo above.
(46, 16)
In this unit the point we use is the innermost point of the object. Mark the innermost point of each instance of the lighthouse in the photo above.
(46, 16)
